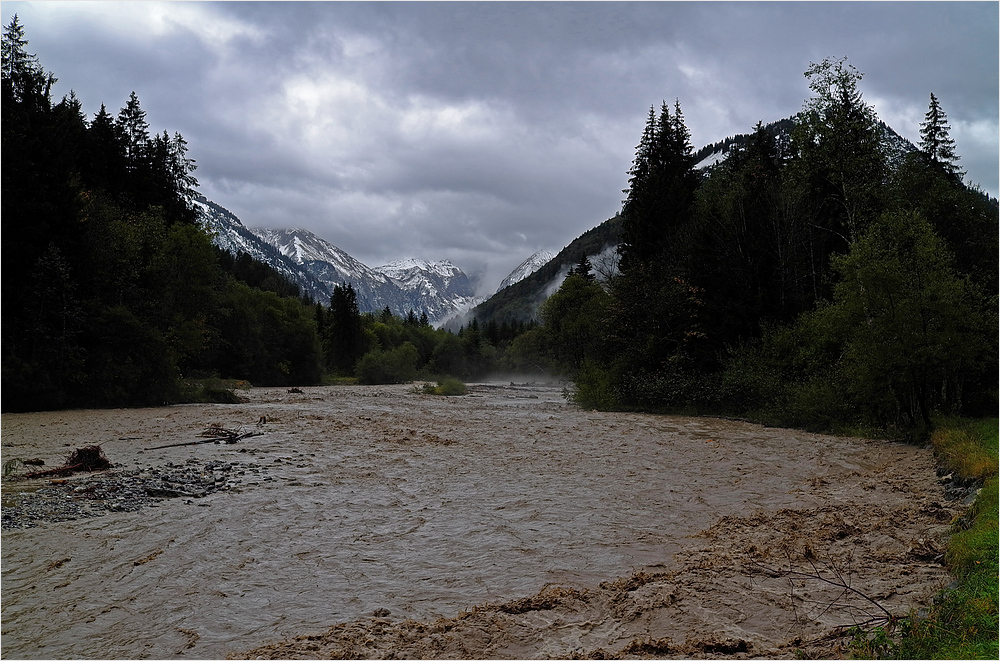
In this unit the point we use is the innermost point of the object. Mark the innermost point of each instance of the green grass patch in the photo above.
(963, 622)
(967, 447)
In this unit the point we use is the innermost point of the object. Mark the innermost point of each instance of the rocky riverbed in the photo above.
(379, 522)
(125, 491)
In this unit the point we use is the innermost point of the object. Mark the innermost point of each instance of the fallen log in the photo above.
(215, 434)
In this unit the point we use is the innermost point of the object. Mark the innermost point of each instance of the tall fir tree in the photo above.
(134, 131)
(105, 167)
(936, 142)
(654, 317)
(636, 239)
(25, 82)
(344, 343)
(661, 189)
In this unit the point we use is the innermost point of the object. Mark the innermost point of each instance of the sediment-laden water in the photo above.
(361, 500)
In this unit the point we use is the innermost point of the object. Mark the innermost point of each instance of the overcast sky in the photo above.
(483, 132)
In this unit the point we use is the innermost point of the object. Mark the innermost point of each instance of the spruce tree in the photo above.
(134, 131)
(936, 142)
(180, 168)
(105, 168)
(584, 269)
(24, 79)
(654, 321)
(635, 242)
(345, 340)
(661, 190)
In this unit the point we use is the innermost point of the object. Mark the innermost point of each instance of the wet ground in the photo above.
(379, 522)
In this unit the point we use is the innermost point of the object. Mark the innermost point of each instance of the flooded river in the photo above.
(355, 501)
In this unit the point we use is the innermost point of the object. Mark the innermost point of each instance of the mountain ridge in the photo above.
(438, 289)
(526, 268)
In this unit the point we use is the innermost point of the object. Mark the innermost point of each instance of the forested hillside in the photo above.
(833, 281)
(112, 294)
(519, 303)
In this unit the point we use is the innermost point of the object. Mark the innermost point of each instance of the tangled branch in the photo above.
(867, 615)
(215, 434)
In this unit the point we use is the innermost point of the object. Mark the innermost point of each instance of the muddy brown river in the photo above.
(508, 523)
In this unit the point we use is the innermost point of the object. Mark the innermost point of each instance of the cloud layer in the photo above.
(483, 132)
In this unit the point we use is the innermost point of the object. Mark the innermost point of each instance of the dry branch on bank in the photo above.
(215, 434)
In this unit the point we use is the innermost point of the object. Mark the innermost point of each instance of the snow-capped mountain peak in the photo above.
(441, 286)
(527, 267)
(403, 268)
(436, 288)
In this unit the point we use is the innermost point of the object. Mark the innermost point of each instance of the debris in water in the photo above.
(90, 458)
(215, 434)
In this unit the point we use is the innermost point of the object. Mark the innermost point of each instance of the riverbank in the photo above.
(962, 624)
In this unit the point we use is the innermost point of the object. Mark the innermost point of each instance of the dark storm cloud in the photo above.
(482, 132)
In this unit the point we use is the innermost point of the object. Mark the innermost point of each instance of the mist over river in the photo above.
(355, 501)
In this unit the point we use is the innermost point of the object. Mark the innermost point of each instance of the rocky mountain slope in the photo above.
(527, 267)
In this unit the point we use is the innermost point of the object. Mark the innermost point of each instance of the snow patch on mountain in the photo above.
(712, 159)
(527, 267)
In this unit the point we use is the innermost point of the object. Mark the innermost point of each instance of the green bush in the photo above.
(448, 386)
(593, 388)
(397, 365)
(452, 387)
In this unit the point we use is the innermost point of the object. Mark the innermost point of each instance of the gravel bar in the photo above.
(125, 491)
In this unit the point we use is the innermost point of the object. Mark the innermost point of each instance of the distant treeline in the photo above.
(114, 295)
(825, 281)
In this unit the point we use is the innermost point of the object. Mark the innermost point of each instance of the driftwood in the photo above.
(215, 434)
(89, 458)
